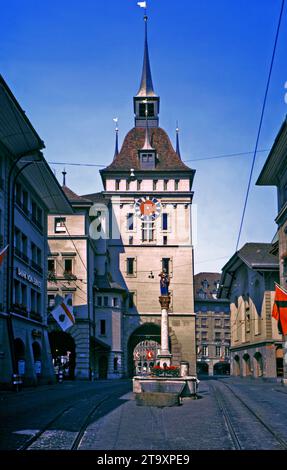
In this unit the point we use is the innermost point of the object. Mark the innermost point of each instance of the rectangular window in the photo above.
(39, 257)
(165, 183)
(154, 185)
(24, 295)
(127, 185)
(106, 301)
(166, 264)
(218, 323)
(102, 327)
(204, 350)
(176, 185)
(150, 109)
(131, 299)
(51, 301)
(165, 240)
(117, 185)
(142, 109)
(24, 247)
(25, 202)
(164, 221)
(147, 231)
(68, 266)
(51, 265)
(203, 322)
(139, 183)
(17, 292)
(130, 221)
(38, 303)
(33, 300)
(204, 335)
(217, 351)
(60, 225)
(217, 336)
(226, 351)
(116, 302)
(131, 240)
(33, 252)
(130, 266)
(99, 301)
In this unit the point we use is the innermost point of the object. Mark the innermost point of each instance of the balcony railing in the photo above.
(37, 267)
(69, 275)
(21, 255)
(52, 277)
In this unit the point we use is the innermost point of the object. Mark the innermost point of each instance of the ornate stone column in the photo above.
(165, 356)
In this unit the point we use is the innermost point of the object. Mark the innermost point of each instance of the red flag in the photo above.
(279, 311)
(2, 254)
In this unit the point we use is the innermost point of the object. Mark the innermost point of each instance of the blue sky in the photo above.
(74, 65)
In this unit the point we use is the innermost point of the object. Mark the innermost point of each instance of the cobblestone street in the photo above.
(229, 414)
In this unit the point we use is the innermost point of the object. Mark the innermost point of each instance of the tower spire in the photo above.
(147, 144)
(117, 137)
(177, 140)
(64, 176)
(146, 86)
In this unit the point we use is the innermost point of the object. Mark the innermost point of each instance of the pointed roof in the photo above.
(146, 86)
(167, 158)
(73, 197)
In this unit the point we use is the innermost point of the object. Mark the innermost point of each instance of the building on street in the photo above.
(147, 176)
(28, 192)
(248, 281)
(212, 325)
(274, 173)
(71, 266)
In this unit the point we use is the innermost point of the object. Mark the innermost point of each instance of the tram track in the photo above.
(234, 429)
(55, 435)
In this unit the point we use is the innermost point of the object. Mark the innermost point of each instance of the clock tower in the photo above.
(148, 194)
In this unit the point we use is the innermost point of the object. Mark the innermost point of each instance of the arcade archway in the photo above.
(142, 344)
(221, 368)
(63, 352)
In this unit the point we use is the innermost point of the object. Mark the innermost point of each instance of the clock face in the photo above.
(147, 208)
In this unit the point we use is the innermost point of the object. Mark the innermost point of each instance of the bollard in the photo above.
(184, 369)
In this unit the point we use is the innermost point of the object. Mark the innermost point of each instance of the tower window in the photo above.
(165, 183)
(139, 182)
(60, 225)
(131, 300)
(130, 221)
(149, 107)
(102, 327)
(154, 185)
(165, 240)
(130, 266)
(147, 161)
(166, 264)
(131, 240)
(117, 185)
(147, 231)
(164, 221)
(127, 185)
(176, 185)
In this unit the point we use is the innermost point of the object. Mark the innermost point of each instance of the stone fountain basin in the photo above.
(181, 386)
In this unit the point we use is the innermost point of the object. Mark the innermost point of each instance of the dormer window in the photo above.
(147, 160)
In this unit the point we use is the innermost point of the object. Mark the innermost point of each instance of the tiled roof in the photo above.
(205, 285)
(167, 158)
(258, 255)
(96, 197)
(73, 197)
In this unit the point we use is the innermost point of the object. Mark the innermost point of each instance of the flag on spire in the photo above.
(279, 311)
(2, 254)
(142, 4)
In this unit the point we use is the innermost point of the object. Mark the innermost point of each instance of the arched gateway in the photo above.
(142, 349)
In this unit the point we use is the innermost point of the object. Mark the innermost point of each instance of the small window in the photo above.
(147, 231)
(117, 185)
(99, 301)
(139, 182)
(68, 266)
(166, 264)
(150, 109)
(176, 185)
(130, 266)
(217, 351)
(131, 299)
(116, 302)
(102, 327)
(106, 301)
(205, 351)
(164, 221)
(51, 266)
(165, 240)
(154, 185)
(51, 301)
(130, 221)
(131, 240)
(127, 185)
(142, 109)
(60, 225)
(116, 364)
(226, 351)
(165, 183)
(217, 336)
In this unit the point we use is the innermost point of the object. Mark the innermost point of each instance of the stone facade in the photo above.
(274, 173)
(71, 261)
(212, 326)
(248, 281)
